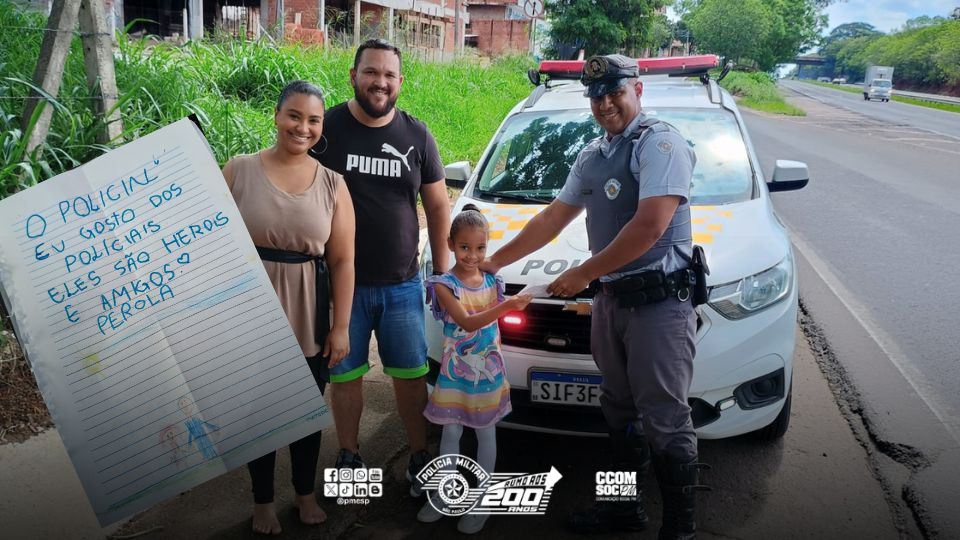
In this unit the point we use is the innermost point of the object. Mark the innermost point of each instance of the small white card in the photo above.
(537, 291)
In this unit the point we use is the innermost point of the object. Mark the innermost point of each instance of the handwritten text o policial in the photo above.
(85, 205)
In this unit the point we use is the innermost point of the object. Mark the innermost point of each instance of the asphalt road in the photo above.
(876, 229)
(893, 114)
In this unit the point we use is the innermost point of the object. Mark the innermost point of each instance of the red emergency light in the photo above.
(512, 319)
(669, 65)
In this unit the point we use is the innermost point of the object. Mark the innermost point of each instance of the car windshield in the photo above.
(882, 83)
(533, 154)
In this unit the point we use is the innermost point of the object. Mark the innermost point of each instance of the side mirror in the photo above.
(788, 176)
(457, 174)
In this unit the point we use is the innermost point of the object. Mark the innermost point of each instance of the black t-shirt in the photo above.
(383, 168)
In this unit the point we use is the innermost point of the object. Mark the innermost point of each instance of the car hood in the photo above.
(739, 239)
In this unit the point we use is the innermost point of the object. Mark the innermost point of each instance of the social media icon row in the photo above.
(353, 475)
(352, 490)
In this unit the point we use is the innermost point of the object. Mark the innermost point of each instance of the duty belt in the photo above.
(651, 286)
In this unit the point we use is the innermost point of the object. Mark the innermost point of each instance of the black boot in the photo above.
(679, 483)
(630, 454)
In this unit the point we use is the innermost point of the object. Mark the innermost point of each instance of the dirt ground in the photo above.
(22, 410)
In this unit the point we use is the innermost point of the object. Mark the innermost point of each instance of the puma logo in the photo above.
(388, 149)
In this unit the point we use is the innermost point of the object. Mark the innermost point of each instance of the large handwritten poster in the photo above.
(155, 336)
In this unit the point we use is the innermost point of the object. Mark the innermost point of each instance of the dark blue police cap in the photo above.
(604, 74)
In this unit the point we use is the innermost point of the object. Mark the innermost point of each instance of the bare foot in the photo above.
(265, 519)
(310, 511)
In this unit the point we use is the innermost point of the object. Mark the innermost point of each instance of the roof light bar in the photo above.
(669, 65)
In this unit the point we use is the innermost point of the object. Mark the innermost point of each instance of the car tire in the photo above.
(866, 97)
(779, 426)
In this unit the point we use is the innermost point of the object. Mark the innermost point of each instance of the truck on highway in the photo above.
(878, 83)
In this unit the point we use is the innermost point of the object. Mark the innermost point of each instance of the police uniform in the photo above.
(644, 349)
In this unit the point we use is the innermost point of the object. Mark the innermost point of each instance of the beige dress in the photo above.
(291, 222)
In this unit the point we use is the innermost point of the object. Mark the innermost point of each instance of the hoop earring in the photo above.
(325, 145)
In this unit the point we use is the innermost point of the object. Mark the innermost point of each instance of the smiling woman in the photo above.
(300, 216)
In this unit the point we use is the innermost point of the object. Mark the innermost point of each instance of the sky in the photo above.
(886, 15)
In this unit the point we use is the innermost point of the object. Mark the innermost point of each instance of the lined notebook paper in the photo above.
(154, 334)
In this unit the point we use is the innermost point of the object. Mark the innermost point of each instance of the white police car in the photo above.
(746, 332)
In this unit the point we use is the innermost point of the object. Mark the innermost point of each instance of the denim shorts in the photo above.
(395, 314)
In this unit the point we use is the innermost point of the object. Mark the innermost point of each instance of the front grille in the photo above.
(546, 321)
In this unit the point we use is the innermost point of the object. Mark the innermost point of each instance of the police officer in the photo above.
(634, 182)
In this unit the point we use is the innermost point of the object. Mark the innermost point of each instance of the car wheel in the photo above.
(779, 426)
(866, 98)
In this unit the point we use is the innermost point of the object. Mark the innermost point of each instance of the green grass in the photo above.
(232, 86)
(902, 99)
(758, 91)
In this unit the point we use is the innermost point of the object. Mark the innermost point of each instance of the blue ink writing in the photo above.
(41, 255)
(136, 234)
(168, 194)
(108, 224)
(131, 262)
(70, 289)
(94, 253)
(190, 233)
(113, 320)
(157, 278)
(85, 205)
(32, 220)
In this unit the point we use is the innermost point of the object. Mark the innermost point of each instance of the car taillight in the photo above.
(513, 319)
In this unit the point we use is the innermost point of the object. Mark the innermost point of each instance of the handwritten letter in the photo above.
(155, 336)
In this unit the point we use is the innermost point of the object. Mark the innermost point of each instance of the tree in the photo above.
(602, 27)
(760, 33)
(661, 33)
(795, 25)
(922, 22)
(851, 30)
(734, 30)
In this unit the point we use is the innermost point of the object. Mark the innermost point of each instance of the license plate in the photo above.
(565, 388)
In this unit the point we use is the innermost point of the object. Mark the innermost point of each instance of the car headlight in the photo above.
(755, 293)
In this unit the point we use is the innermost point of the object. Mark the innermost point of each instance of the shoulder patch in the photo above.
(665, 146)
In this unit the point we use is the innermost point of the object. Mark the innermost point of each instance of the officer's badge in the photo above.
(665, 147)
(612, 188)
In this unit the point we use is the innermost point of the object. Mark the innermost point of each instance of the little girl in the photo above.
(472, 389)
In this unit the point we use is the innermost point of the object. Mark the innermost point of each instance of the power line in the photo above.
(57, 30)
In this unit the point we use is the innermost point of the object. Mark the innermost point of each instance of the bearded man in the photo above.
(387, 158)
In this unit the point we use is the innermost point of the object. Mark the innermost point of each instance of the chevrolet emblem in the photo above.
(580, 307)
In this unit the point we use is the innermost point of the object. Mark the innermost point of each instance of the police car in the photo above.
(745, 333)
